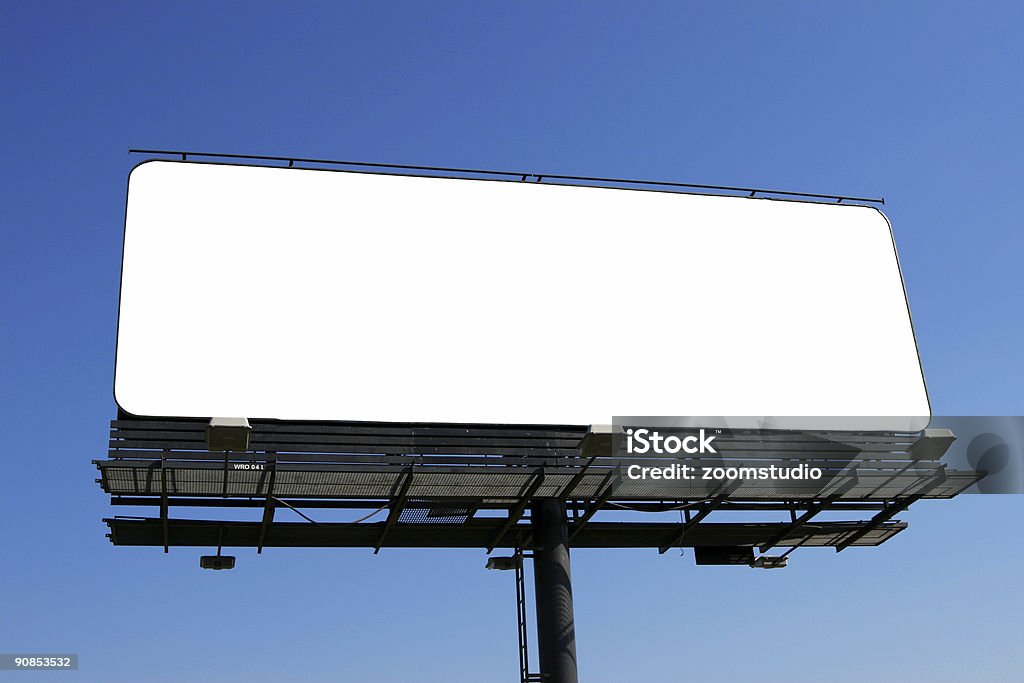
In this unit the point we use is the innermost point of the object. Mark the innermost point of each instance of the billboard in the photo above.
(268, 292)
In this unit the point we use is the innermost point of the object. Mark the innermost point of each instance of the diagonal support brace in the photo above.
(516, 513)
(891, 511)
(704, 511)
(269, 507)
(396, 509)
(851, 480)
(797, 523)
(606, 493)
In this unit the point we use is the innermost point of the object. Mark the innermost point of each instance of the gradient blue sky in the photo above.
(918, 101)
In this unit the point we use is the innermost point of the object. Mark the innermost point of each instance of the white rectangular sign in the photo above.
(324, 295)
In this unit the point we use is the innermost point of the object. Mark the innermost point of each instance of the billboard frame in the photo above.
(420, 171)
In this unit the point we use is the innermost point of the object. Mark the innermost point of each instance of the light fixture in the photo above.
(228, 434)
(770, 562)
(217, 562)
(600, 440)
(502, 563)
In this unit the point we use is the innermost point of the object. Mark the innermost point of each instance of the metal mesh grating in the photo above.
(433, 513)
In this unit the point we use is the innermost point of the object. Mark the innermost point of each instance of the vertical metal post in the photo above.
(524, 636)
(552, 580)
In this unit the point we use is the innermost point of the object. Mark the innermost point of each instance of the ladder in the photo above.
(524, 654)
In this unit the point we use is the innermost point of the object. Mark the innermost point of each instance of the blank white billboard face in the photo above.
(322, 295)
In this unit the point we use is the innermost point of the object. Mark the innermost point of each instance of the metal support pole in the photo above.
(556, 629)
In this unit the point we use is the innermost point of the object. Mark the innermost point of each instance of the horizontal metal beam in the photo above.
(133, 478)
(373, 504)
(477, 533)
(523, 175)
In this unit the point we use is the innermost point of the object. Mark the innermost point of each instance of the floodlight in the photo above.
(600, 440)
(217, 561)
(770, 562)
(228, 434)
(933, 444)
(502, 563)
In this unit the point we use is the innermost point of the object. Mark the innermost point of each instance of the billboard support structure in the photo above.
(552, 580)
(434, 472)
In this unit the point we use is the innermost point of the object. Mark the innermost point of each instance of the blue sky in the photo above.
(919, 102)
